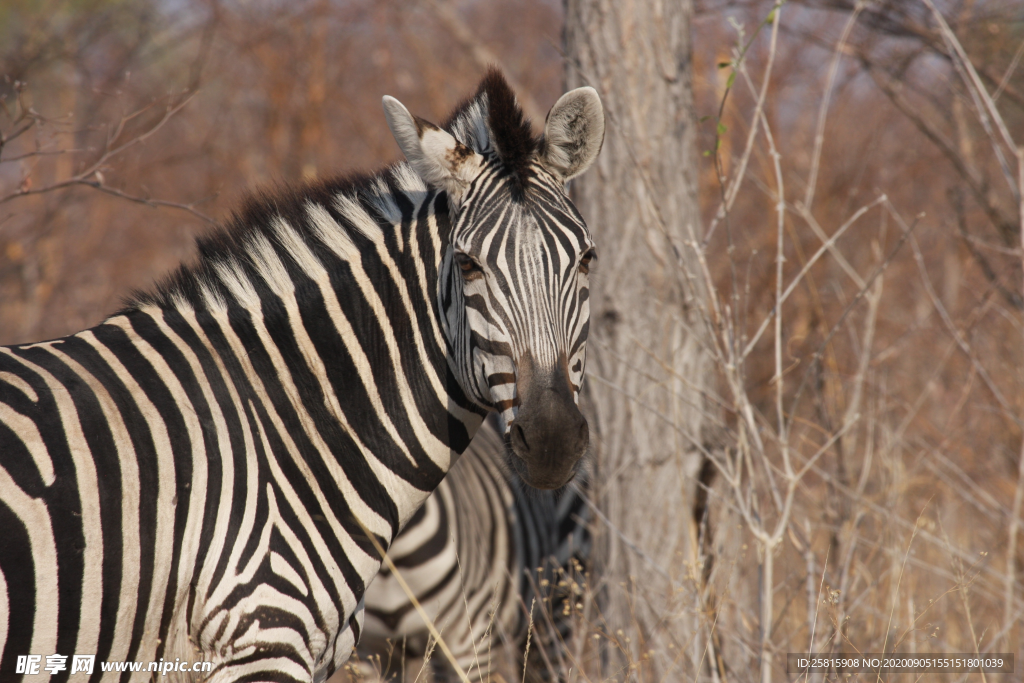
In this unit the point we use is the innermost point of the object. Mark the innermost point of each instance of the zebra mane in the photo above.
(269, 216)
(490, 122)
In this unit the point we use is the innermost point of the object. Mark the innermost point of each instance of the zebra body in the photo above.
(198, 476)
(476, 555)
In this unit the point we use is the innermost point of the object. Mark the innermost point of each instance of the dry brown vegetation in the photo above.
(871, 493)
(877, 417)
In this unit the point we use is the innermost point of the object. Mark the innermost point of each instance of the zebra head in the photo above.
(513, 292)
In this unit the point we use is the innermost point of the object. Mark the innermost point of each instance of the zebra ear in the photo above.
(573, 133)
(438, 158)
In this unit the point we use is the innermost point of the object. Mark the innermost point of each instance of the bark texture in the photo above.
(647, 367)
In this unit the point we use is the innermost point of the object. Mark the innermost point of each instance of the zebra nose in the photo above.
(546, 455)
(519, 443)
(549, 434)
(547, 442)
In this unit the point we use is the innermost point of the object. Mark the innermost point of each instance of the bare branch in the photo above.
(92, 176)
(1005, 80)
(45, 153)
(978, 188)
(483, 56)
(819, 133)
(729, 195)
(807, 266)
(960, 340)
(987, 112)
(154, 203)
(820, 352)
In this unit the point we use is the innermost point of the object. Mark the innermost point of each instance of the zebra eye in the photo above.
(470, 270)
(585, 260)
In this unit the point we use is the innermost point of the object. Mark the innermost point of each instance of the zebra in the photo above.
(209, 473)
(476, 555)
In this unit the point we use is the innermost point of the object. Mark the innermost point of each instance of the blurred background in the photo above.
(131, 127)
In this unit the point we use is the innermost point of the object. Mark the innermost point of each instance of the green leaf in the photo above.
(729, 81)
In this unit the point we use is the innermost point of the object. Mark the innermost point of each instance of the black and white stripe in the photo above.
(477, 556)
(197, 476)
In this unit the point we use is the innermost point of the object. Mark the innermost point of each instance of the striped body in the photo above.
(476, 555)
(164, 464)
(198, 477)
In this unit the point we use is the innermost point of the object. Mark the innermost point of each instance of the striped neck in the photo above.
(325, 302)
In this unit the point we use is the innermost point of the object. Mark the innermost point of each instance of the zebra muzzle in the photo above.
(550, 434)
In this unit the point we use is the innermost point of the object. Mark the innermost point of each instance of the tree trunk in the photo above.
(647, 367)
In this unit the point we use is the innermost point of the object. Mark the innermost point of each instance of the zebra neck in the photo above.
(321, 309)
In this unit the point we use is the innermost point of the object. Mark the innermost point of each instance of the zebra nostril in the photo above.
(519, 444)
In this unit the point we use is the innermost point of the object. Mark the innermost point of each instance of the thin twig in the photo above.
(1005, 80)
(820, 352)
(92, 176)
(734, 187)
(807, 266)
(415, 602)
(960, 340)
(148, 201)
(484, 57)
(819, 133)
(988, 114)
